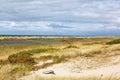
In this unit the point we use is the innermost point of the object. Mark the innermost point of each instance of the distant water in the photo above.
(25, 41)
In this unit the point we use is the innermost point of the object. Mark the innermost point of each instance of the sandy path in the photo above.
(61, 70)
(64, 70)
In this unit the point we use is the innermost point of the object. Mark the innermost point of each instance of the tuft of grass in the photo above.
(55, 58)
(71, 46)
(116, 41)
(22, 69)
(59, 59)
(91, 53)
(42, 66)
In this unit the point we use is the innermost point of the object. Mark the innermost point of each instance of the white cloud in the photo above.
(62, 26)
(113, 28)
(117, 19)
(12, 24)
(86, 14)
(70, 15)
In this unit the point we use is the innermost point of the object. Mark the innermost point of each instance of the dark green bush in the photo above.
(116, 41)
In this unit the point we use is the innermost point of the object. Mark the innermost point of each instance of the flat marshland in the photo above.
(70, 58)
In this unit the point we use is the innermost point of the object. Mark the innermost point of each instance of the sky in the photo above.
(60, 17)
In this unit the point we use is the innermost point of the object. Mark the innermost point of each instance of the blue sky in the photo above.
(60, 17)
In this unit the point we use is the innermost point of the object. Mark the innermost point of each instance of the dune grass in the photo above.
(68, 48)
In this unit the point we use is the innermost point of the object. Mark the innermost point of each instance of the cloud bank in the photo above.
(60, 17)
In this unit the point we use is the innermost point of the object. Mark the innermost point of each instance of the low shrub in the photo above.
(116, 41)
(25, 56)
(22, 57)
